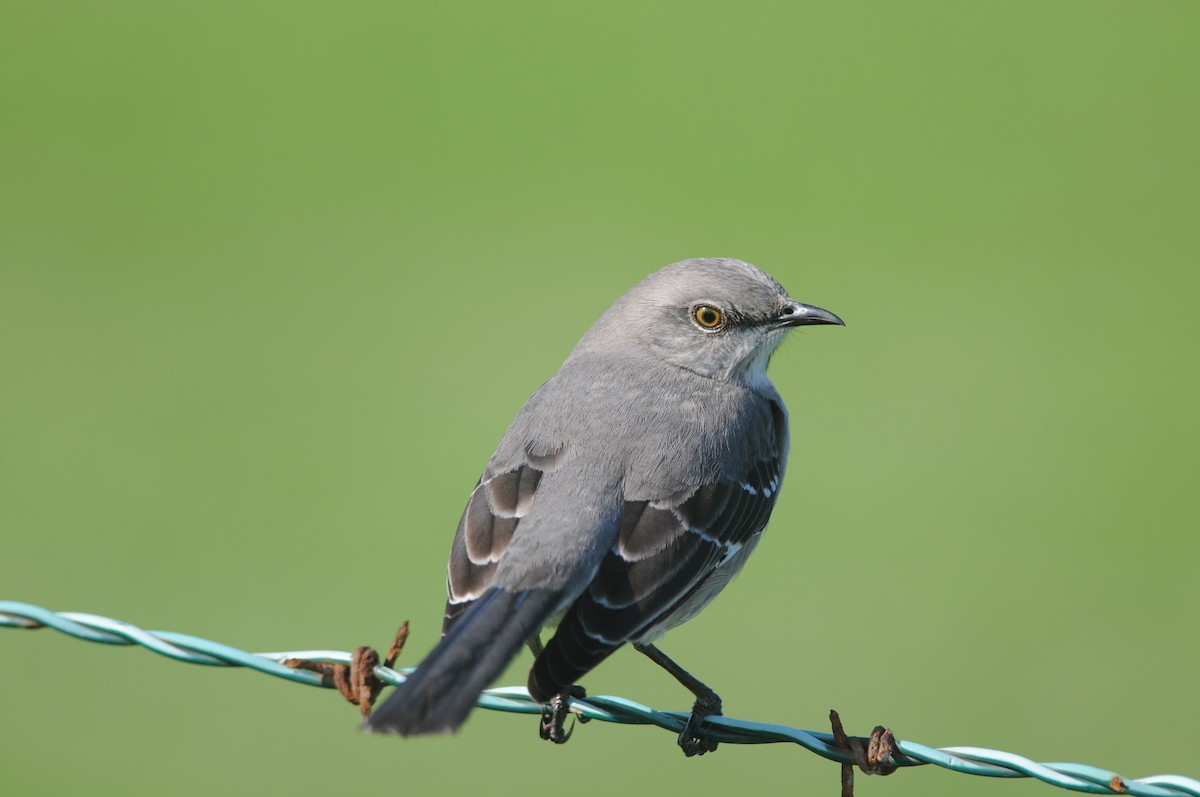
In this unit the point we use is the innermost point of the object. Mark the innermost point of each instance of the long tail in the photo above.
(438, 697)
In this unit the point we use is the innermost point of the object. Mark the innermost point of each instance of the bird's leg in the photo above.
(694, 740)
(554, 714)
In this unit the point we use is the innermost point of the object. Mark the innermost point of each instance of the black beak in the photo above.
(795, 314)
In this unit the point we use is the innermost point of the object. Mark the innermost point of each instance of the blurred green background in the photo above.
(275, 278)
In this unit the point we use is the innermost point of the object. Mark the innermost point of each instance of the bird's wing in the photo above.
(492, 515)
(664, 550)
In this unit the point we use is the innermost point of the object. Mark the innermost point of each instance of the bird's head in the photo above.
(717, 317)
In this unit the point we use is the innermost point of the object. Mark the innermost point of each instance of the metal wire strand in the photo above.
(968, 760)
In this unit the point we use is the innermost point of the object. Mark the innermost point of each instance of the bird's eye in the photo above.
(708, 316)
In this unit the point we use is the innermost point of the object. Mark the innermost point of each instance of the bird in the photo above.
(629, 490)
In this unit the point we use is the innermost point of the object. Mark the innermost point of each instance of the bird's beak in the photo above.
(795, 314)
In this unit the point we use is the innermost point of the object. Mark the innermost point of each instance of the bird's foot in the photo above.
(695, 739)
(874, 759)
(554, 715)
(355, 681)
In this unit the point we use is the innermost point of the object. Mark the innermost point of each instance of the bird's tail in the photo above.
(438, 697)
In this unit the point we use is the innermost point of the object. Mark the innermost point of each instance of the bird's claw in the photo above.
(695, 739)
(554, 716)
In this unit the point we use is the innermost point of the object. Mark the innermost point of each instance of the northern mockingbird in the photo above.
(628, 492)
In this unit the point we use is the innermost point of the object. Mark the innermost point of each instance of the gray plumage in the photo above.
(628, 491)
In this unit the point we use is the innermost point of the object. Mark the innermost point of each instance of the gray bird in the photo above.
(630, 489)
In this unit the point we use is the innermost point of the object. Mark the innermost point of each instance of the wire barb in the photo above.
(874, 759)
(967, 760)
(356, 681)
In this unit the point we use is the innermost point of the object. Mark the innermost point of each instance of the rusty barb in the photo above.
(356, 681)
(876, 759)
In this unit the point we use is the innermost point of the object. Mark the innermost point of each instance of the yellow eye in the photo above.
(708, 316)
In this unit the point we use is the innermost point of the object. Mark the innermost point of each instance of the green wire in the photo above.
(968, 760)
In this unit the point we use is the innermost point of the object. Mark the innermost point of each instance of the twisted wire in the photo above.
(967, 760)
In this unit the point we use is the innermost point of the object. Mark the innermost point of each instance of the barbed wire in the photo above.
(967, 760)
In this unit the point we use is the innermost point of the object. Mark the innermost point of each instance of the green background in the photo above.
(275, 277)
